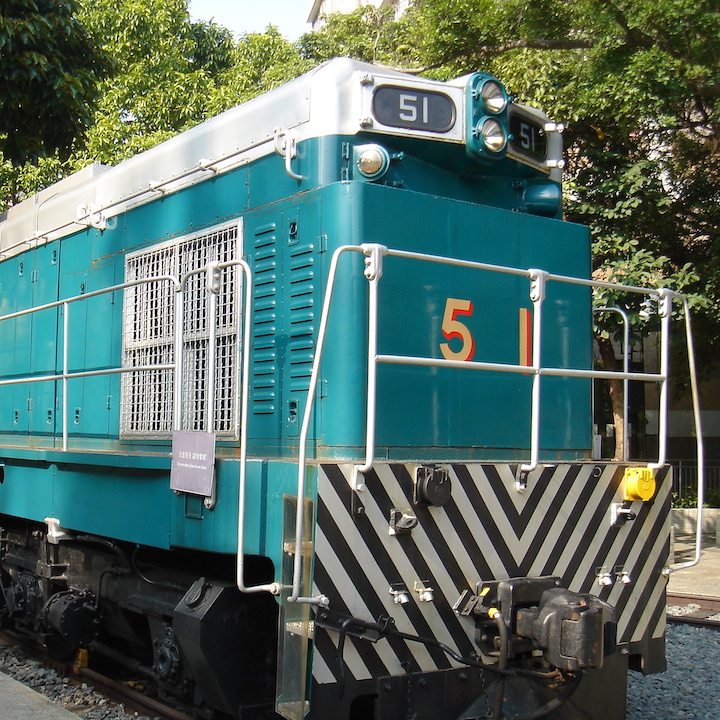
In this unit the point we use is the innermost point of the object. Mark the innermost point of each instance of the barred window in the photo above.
(149, 336)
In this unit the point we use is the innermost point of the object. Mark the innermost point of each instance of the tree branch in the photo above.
(633, 35)
(538, 44)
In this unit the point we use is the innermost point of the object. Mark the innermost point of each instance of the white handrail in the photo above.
(539, 280)
(66, 375)
(698, 439)
(295, 595)
(296, 591)
(274, 587)
(538, 283)
(626, 367)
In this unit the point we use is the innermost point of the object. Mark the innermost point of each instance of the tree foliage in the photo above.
(368, 34)
(50, 65)
(638, 83)
(260, 62)
(163, 77)
(170, 74)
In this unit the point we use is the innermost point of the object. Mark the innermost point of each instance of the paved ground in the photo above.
(704, 578)
(18, 702)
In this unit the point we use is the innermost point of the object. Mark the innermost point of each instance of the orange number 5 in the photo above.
(453, 328)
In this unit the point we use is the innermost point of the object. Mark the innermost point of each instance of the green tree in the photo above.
(50, 65)
(637, 83)
(367, 34)
(170, 74)
(259, 62)
(212, 47)
(163, 80)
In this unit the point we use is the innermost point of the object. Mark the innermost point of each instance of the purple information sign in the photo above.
(193, 462)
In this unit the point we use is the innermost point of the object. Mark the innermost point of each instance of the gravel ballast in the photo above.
(79, 698)
(689, 690)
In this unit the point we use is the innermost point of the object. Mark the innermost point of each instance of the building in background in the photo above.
(322, 8)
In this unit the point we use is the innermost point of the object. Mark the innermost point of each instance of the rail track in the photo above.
(106, 690)
(696, 610)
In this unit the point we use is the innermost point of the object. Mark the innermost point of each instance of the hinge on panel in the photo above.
(357, 506)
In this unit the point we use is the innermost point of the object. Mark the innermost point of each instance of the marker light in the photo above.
(372, 161)
(493, 96)
(486, 118)
(493, 135)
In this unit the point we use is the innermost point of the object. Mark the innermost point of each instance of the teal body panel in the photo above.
(131, 500)
(289, 238)
(449, 413)
(131, 504)
(268, 482)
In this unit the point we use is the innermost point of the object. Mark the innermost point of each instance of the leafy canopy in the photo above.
(169, 74)
(50, 64)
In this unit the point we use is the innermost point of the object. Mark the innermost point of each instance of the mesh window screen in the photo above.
(149, 336)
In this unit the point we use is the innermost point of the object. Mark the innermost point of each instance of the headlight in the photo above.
(372, 161)
(494, 97)
(486, 118)
(493, 135)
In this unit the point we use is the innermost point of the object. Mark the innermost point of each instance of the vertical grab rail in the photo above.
(373, 272)
(538, 282)
(274, 587)
(626, 368)
(178, 355)
(665, 298)
(295, 595)
(698, 437)
(213, 281)
(66, 369)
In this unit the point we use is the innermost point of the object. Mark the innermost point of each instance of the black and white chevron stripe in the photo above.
(560, 525)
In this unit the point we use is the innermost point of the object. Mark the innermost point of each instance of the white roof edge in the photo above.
(325, 101)
(242, 133)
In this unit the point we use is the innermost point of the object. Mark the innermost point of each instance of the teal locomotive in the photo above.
(295, 417)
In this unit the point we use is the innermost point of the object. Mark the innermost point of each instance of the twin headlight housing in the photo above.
(486, 119)
(486, 128)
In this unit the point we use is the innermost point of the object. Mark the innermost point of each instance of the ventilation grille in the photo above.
(149, 336)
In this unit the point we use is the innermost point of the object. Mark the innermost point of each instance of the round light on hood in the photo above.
(493, 135)
(493, 96)
(372, 161)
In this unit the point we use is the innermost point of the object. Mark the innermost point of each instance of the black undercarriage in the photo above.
(175, 618)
